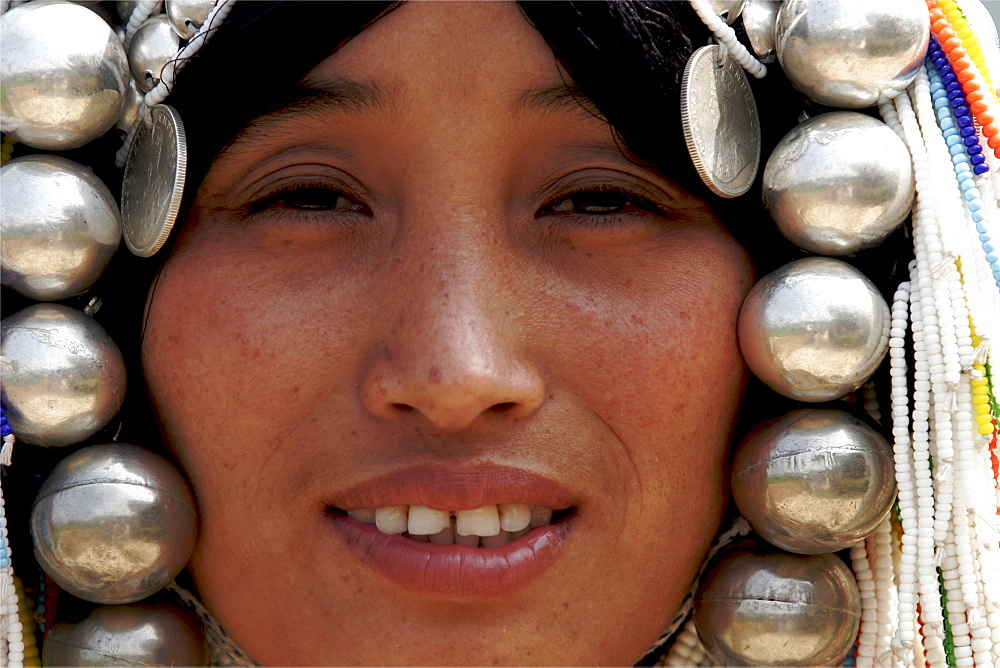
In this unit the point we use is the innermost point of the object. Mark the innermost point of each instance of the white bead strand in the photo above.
(727, 36)
(11, 633)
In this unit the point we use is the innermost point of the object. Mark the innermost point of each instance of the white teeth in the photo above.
(445, 537)
(498, 540)
(391, 519)
(514, 516)
(363, 515)
(424, 521)
(540, 516)
(483, 521)
(496, 524)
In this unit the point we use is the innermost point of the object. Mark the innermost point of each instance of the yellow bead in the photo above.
(985, 429)
(953, 15)
(979, 382)
(984, 419)
(983, 409)
(964, 33)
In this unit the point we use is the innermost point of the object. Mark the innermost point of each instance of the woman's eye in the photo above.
(600, 203)
(309, 199)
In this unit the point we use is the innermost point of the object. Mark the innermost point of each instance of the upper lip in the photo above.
(461, 488)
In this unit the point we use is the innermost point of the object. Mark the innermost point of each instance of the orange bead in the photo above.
(993, 142)
(961, 64)
(975, 96)
(970, 87)
(953, 44)
(985, 117)
(945, 33)
(978, 108)
(991, 130)
(965, 75)
(936, 14)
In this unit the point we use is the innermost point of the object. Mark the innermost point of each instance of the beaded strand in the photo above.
(727, 36)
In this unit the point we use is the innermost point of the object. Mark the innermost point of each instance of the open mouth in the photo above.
(489, 526)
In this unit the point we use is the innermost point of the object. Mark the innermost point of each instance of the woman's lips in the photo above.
(428, 564)
(454, 571)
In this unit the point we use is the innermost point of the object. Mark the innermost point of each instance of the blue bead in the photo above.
(5, 430)
(967, 184)
(4, 562)
(983, 234)
(953, 138)
(956, 149)
(977, 159)
(974, 148)
(956, 101)
(954, 87)
(992, 258)
(975, 206)
(971, 195)
(963, 119)
(970, 140)
(939, 62)
(981, 168)
(949, 77)
(988, 247)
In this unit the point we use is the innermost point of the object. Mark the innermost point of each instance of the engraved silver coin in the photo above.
(154, 181)
(720, 122)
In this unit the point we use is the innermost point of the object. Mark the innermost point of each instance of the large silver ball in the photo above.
(145, 635)
(186, 16)
(851, 53)
(778, 609)
(153, 46)
(814, 481)
(63, 376)
(814, 329)
(60, 225)
(838, 183)
(64, 72)
(113, 523)
(727, 10)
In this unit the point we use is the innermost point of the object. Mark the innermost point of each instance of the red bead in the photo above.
(994, 142)
(971, 87)
(974, 96)
(965, 75)
(984, 117)
(991, 130)
(961, 64)
(978, 108)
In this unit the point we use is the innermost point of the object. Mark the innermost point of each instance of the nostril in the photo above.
(502, 407)
(403, 408)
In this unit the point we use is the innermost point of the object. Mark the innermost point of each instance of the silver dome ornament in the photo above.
(814, 329)
(154, 45)
(63, 376)
(814, 481)
(186, 16)
(838, 183)
(130, 111)
(778, 609)
(140, 634)
(65, 75)
(851, 53)
(60, 226)
(113, 523)
(727, 10)
(760, 17)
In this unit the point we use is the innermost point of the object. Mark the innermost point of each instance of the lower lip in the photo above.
(454, 571)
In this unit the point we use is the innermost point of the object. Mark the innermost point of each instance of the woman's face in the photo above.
(439, 282)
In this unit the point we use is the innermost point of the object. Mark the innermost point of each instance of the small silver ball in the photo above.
(64, 378)
(113, 523)
(60, 226)
(778, 609)
(65, 75)
(727, 10)
(186, 16)
(814, 329)
(154, 45)
(759, 20)
(838, 183)
(851, 53)
(145, 635)
(814, 481)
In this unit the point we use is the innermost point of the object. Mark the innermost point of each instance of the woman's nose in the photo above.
(452, 358)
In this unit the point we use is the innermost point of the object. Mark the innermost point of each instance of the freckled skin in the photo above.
(459, 321)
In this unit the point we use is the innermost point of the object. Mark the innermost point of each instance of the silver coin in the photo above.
(720, 122)
(154, 181)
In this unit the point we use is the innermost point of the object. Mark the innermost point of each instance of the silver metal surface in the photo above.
(145, 635)
(814, 329)
(113, 523)
(130, 110)
(851, 53)
(186, 16)
(125, 9)
(59, 227)
(778, 609)
(154, 181)
(759, 20)
(64, 75)
(814, 481)
(63, 376)
(727, 10)
(719, 118)
(154, 45)
(838, 183)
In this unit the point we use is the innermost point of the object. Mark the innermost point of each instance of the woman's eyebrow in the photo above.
(559, 98)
